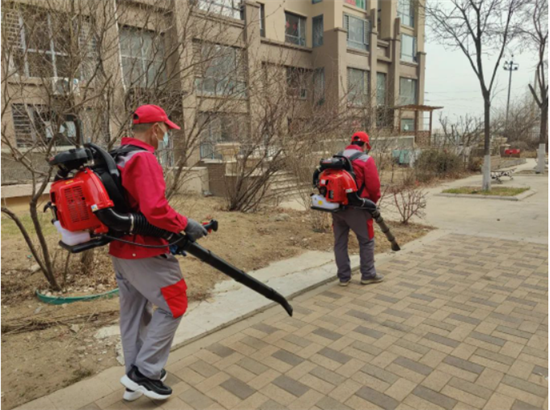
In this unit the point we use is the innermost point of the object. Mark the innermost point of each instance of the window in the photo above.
(41, 44)
(358, 87)
(362, 4)
(221, 70)
(358, 32)
(408, 48)
(384, 117)
(318, 31)
(219, 128)
(295, 29)
(405, 11)
(297, 82)
(407, 91)
(262, 20)
(407, 124)
(36, 124)
(319, 86)
(142, 54)
(227, 8)
(380, 88)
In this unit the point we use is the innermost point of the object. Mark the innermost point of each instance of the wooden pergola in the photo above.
(420, 137)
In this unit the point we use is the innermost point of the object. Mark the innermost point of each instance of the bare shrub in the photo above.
(409, 202)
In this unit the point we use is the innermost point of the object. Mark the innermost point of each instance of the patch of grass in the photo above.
(10, 228)
(496, 191)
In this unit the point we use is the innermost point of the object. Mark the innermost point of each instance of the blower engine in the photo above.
(89, 210)
(336, 182)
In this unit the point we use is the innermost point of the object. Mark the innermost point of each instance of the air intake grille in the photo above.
(76, 204)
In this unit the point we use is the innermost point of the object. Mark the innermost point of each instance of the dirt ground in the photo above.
(46, 347)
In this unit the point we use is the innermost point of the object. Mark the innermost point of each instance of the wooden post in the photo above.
(431, 115)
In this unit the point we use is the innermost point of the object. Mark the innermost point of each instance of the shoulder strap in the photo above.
(125, 149)
(356, 156)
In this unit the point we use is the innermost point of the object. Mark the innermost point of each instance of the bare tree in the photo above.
(73, 72)
(537, 35)
(480, 29)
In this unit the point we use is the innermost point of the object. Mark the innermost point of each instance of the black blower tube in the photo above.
(136, 223)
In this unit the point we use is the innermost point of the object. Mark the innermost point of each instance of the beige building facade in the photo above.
(369, 53)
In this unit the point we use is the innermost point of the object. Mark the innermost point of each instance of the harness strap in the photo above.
(352, 158)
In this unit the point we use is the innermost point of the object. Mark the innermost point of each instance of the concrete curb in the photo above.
(519, 197)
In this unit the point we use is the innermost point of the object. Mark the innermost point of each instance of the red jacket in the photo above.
(143, 180)
(365, 173)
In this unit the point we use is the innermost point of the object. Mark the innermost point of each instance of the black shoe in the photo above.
(154, 389)
(375, 279)
(132, 395)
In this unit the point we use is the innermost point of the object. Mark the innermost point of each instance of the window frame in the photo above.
(262, 19)
(236, 8)
(365, 44)
(354, 3)
(379, 89)
(145, 61)
(409, 58)
(301, 39)
(415, 89)
(302, 89)
(319, 86)
(239, 83)
(320, 37)
(406, 12)
(407, 120)
(355, 101)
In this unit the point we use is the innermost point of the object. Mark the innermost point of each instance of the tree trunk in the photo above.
(486, 169)
(543, 146)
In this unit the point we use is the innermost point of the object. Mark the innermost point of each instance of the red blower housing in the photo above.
(336, 184)
(76, 199)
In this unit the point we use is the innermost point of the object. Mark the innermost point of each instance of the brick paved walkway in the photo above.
(460, 324)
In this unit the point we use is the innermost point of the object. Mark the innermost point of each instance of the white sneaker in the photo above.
(131, 395)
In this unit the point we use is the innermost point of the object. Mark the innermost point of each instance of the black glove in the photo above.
(195, 230)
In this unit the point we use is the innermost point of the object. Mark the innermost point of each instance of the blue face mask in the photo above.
(166, 139)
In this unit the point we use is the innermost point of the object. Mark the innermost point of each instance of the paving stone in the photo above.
(521, 301)
(238, 388)
(292, 386)
(220, 350)
(272, 405)
(442, 340)
(368, 332)
(542, 371)
(421, 296)
(367, 348)
(254, 342)
(525, 386)
(360, 315)
(287, 357)
(331, 295)
(463, 364)
(408, 285)
(397, 313)
(494, 356)
(415, 347)
(434, 397)
(196, 399)
(505, 318)
(485, 302)
(514, 332)
(328, 334)
(439, 325)
(262, 327)
(379, 373)
(375, 397)
(465, 319)
(335, 355)
(252, 366)
(328, 403)
(327, 375)
(414, 366)
(396, 326)
(204, 369)
(471, 388)
(521, 405)
(299, 341)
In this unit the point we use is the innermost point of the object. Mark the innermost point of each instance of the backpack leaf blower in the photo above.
(89, 210)
(336, 182)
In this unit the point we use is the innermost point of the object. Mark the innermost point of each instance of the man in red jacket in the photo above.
(148, 276)
(359, 221)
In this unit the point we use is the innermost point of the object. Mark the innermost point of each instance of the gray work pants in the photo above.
(358, 221)
(146, 335)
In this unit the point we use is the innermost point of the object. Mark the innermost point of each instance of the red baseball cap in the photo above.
(361, 136)
(146, 114)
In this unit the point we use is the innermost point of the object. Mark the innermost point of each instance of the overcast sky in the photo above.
(451, 82)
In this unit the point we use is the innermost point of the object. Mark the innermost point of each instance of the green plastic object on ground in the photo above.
(60, 300)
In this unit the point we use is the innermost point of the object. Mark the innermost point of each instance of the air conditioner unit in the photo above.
(65, 86)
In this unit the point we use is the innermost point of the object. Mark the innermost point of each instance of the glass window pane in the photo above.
(407, 124)
(295, 28)
(408, 48)
(357, 34)
(318, 31)
(40, 64)
(407, 91)
(381, 88)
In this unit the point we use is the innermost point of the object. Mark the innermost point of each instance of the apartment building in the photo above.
(367, 52)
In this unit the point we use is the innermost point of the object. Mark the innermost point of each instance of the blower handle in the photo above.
(211, 226)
